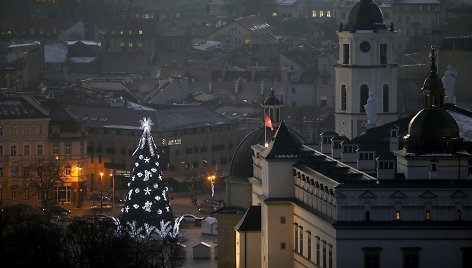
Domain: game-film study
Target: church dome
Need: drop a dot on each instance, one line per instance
(365, 15)
(241, 163)
(433, 129)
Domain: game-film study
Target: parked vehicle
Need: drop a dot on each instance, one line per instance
(104, 205)
(57, 210)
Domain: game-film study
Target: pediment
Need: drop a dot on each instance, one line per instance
(398, 195)
(459, 194)
(367, 194)
(428, 194)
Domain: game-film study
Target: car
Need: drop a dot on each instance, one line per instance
(102, 206)
(57, 210)
(97, 196)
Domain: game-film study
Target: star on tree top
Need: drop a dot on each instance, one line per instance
(146, 124)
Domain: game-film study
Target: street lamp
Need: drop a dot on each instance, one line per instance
(211, 178)
(101, 192)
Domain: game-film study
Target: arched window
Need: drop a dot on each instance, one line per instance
(385, 98)
(343, 98)
(364, 95)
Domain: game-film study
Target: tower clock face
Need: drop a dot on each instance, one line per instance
(365, 46)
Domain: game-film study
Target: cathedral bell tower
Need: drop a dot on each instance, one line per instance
(366, 72)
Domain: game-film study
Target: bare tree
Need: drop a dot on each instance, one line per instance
(49, 174)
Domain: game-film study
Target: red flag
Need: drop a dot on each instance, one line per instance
(268, 123)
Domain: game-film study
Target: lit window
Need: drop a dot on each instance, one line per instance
(458, 215)
(428, 215)
(140, 32)
(122, 32)
(328, 13)
(68, 170)
(130, 44)
(274, 14)
(321, 13)
(397, 215)
(313, 13)
(122, 44)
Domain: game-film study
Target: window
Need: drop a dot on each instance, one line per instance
(343, 98)
(301, 240)
(26, 150)
(385, 98)
(397, 215)
(1, 173)
(1, 150)
(68, 170)
(39, 149)
(13, 150)
(383, 53)
(324, 254)
(466, 255)
(313, 13)
(427, 215)
(330, 256)
(328, 13)
(318, 246)
(14, 171)
(68, 149)
(282, 245)
(458, 214)
(321, 13)
(308, 248)
(282, 220)
(371, 257)
(433, 165)
(367, 215)
(13, 194)
(55, 149)
(364, 95)
(26, 194)
(26, 172)
(411, 257)
(345, 53)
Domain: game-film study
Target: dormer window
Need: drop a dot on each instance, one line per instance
(393, 133)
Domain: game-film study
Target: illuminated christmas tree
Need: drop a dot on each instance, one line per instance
(147, 212)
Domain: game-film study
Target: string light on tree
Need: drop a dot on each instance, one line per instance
(147, 211)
